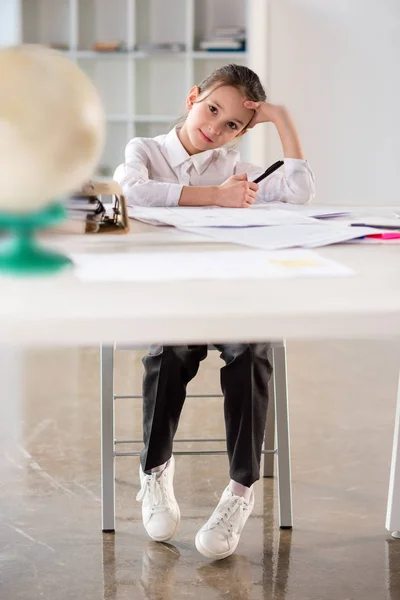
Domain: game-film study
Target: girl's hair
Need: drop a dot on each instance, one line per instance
(240, 77)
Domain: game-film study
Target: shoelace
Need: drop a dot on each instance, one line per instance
(230, 514)
(155, 488)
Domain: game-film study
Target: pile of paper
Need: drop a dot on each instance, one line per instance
(289, 236)
(264, 227)
(182, 216)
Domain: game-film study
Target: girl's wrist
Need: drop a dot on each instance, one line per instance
(215, 194)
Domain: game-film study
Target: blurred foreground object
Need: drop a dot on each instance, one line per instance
(52, 131)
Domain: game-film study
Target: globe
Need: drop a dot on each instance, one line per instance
(52, 127)
(52, 131)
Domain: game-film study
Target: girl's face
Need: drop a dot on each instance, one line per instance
(215, 118)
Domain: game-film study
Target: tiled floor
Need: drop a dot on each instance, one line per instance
(342, 400)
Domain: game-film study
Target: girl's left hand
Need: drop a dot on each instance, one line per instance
(265, 112)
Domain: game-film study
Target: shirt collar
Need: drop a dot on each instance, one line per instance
(177, 155)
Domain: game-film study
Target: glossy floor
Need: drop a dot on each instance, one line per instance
(342, 401)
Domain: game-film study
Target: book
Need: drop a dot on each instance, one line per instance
(221, 44)
(99, 207)
(225, 38)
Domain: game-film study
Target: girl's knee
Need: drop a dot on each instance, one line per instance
(181, 352)
(231, 352)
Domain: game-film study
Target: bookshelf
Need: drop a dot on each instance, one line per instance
(143, 90)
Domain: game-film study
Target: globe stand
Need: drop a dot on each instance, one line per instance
(20, 253)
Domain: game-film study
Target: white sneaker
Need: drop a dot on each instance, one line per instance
(219, 537)
(160, 510)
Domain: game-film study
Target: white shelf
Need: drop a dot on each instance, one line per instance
(217, 55)
(142, 91)
(154, 118)
(141, 118)
(102, 55)
(196, 54)
(118, 118)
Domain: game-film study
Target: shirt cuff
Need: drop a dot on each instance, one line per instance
(173, 195)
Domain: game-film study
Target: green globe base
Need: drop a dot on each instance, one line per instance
(21, 254)
(18, 258)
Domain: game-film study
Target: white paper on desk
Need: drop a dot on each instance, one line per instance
(186, 216)
(307, 210)
(287, 236)
(381, 220)
(179, 266)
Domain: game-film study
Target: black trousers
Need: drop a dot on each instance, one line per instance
(244, 379)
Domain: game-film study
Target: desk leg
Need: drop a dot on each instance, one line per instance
(393, 508)
(107, 438)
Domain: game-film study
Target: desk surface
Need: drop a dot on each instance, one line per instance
(63, 310)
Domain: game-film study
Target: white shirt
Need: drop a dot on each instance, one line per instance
(156, 169)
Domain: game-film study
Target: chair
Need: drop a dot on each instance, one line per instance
(277, 422)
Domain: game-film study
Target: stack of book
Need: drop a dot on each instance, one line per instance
(160, 47)
(99, 207)
(109, 46)
(226, 39)
(87, 209)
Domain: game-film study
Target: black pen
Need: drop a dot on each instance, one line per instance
(270, 170)
(390, 227)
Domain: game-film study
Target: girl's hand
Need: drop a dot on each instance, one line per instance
(281, 118)
(265, 112)
(236, 192)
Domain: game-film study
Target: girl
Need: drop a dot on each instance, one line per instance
(196, 164)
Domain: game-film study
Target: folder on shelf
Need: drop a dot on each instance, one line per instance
(99, 207)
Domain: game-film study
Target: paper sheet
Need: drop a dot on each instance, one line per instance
(381, 220)
(187, 266)
(310, 210)
(288, 236)
(185, 216)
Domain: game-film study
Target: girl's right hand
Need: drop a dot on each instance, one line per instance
(236, 192)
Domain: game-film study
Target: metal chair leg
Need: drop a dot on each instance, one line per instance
(107, 438)
(269, 433)
(283, 441)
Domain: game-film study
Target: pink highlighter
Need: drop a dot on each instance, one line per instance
(389, 235)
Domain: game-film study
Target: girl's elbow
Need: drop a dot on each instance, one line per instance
(302, 196)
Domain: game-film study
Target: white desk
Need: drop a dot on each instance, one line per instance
(66, 311)
(62, 310)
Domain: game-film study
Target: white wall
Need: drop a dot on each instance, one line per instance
(10, 33)
(336, 64)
